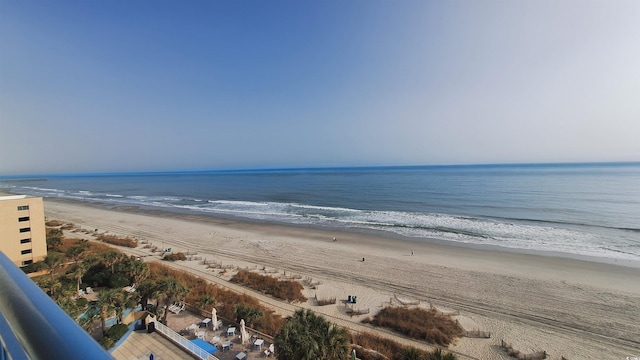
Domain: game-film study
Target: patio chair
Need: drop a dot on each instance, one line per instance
(174, 306)
(178, 309)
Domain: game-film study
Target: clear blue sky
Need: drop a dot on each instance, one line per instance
(91, 86)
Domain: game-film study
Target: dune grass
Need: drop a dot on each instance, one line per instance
(117, 240)
(287, 290)
(419, 324)
(175, 257)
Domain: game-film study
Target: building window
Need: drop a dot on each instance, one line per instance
(24, 252)
(25, 241)
(23, 207)
(27, 262)
(27, 229)
(24, 218)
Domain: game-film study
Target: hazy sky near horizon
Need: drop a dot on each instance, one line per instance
(100, 86)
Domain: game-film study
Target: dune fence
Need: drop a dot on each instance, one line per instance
(479, 334)
(508, 347)
(325, 301)
(405, 301)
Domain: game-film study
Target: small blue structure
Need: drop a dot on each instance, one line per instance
(205, 346)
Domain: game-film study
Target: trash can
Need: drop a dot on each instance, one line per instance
(151, 327)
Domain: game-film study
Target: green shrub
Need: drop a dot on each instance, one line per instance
(118, 280)
(116, 331)
(107, 342)
(28, 269)
(97, 276)
(82, 302)
(113, 335)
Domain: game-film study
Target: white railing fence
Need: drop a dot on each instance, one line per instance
(183, 342)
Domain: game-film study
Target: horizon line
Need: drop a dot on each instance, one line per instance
(316, 169)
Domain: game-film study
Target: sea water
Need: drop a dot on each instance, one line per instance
(588, 210)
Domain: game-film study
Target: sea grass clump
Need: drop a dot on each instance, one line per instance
(287, 290)
(419, 324)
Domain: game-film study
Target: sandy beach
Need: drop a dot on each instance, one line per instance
(572, 308)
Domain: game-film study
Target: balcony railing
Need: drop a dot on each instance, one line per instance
(32, 326)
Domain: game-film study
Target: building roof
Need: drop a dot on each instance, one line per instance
(14, 197)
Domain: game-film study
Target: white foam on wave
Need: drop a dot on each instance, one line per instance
(470, 230)
(504, 234)
(326, 208)
(152, 199)
(44, 189)
(238, 203)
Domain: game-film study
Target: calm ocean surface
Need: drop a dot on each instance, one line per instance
(577, 209)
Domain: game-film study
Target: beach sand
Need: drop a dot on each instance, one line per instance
(571, 308)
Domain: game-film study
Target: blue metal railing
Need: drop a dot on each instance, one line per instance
(32, 326)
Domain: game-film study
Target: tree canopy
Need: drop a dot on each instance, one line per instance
(309, 336)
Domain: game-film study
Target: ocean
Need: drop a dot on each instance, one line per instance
(583, 210)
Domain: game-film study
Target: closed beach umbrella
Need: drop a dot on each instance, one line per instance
(243, 332)
(214, 319)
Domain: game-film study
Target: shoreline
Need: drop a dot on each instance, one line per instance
(567, 307)
(368, 232)
(373, 236)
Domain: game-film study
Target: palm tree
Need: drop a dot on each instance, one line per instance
(77, 273)
(76, 252)
(168, 290)
(206, 302)
(70, 306)
(50, 286)
(335, 343)
(309, 336)
(67, 290)
(106, 304)
(136, 270)
(247, 313)
(111, 258)
(54, 238)
(123, 301)
(145, 290)
(52, 262)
